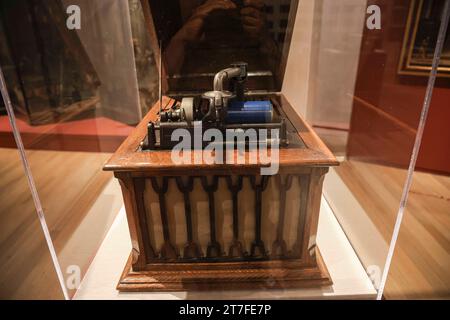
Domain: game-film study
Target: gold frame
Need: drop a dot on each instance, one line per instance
(406, 66)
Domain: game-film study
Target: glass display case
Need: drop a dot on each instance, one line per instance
(321, 171)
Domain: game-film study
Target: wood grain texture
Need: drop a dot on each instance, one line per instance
(227, 276)
(161, 268)
(68, 184)
(421, 261)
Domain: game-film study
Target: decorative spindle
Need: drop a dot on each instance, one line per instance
(191, 249)
(236, 250)
(257, 248)
(304, 194)
(139, 188)
(279, 245)
(168, 251)
(214, 249)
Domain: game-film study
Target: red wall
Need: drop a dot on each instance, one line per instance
(387, 106)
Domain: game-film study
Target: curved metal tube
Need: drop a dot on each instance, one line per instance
(224, 74)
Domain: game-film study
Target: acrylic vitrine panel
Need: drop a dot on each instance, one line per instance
(423, 242)
(26, 267)
(79, 93)
(76, 96)
(367, 110)
(200, 37)
(422, 245)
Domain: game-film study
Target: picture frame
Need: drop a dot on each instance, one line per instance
(421, 34)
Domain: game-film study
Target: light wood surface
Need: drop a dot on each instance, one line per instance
(68, 184)
(421, 263)
(25, 265)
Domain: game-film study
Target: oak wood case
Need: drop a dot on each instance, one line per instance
(151, 268)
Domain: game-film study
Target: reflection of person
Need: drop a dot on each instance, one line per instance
(193, 30)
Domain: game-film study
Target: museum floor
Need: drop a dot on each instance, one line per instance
(88, 198)
(76, 197)
(421, 259)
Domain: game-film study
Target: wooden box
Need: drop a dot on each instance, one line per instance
(170, 253)
(222, 226)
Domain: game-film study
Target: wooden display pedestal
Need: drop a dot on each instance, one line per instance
(223, 226)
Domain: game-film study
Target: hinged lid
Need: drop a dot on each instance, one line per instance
(199, 38)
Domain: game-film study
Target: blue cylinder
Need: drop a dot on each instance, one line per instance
(249, 112)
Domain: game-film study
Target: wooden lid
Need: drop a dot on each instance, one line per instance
(200, 38)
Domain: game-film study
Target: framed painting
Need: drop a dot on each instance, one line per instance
(421, 34)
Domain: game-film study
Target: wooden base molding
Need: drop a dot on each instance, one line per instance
(227, 276)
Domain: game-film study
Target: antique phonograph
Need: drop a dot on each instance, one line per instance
(220, 109)
(222, 225)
